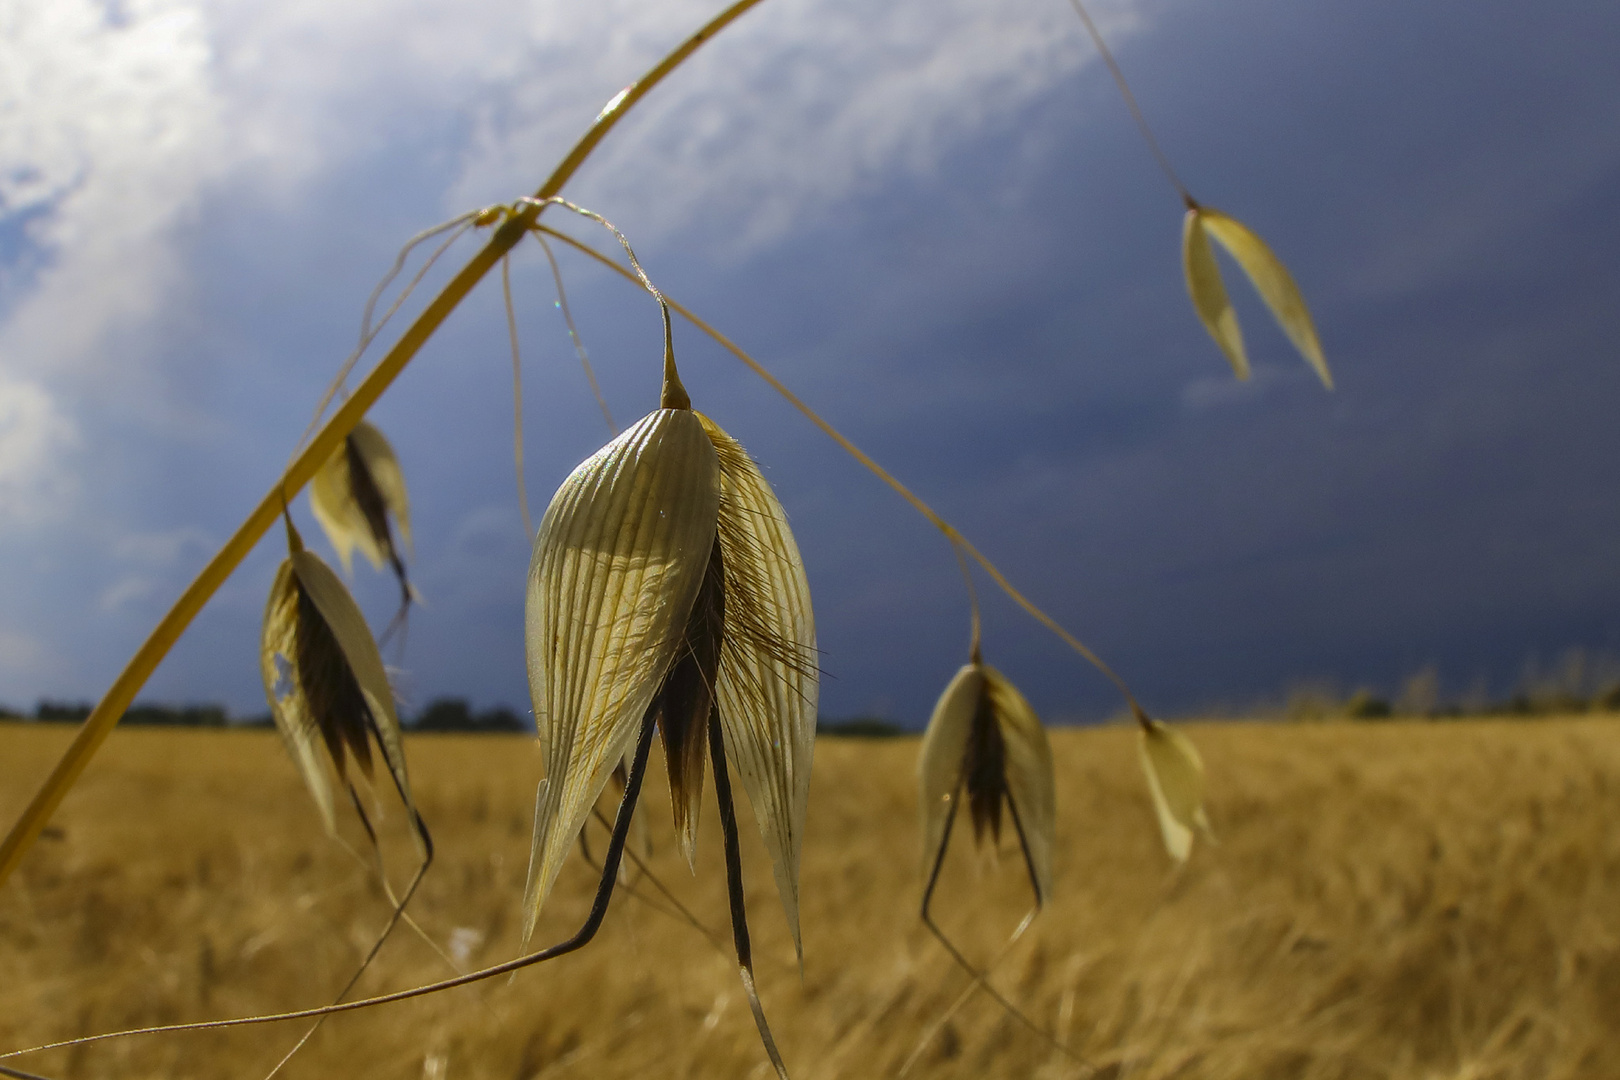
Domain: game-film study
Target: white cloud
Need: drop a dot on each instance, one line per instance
(160, 550)
(116, 119)
(18, 650)
(106, 122)
(34, 437)
(798, 104)
(126, 592)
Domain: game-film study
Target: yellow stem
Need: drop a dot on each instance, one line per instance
(956, 538)
(99, 724)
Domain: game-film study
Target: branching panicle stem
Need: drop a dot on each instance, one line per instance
(959, 542)
(99, 724)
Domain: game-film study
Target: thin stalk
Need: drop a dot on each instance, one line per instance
(973, 602)
(573, 335)
(369, 332)
(1130, 103)
(18, 1074)
(387, 931)
(582, 937)
(680, 911)
(99, 724)
(881, 473)
(517, 396)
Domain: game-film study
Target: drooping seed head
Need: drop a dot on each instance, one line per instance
(665, 579)
(353, 494)
(984, 743)
(1175, 775)
(324, 679)
(1271, 280)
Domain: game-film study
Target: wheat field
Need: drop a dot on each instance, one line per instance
(1427, 900)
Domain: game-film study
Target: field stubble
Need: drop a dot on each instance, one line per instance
(1390, 900)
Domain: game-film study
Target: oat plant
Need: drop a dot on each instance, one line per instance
(665, 595)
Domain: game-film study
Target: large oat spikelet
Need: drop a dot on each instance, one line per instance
(353, 495)
(985, 743)
(324, 679)
(665, 581)
(1271, 280)
(1175, 775)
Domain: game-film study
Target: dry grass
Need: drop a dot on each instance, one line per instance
(1434, 900)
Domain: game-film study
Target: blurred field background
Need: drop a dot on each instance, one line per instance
(1391, 899)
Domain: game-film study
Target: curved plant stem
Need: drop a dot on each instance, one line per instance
(111, 707)
(960, 542)
(1159, 155)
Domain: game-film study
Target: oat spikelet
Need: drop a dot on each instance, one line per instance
(769, 680)
(353, 497)
(618, 563)
(1271, 280)
(665, 582)
(324, 679)
(985, 744)
(1175, 775)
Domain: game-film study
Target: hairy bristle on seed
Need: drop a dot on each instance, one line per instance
(687, 696)
(750, 616)
(373, 507)
(330, 688)
(984, 770)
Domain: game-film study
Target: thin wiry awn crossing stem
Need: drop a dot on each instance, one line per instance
(980, 978)
(368, 333)
(102, 719)
(18, 1074)
(950, 532)
(517, 395)
(593, 922)
(680, 911)
(387, 931)
(973, 987)
(573, 334)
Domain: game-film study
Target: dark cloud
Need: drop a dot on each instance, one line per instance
(1008, 332)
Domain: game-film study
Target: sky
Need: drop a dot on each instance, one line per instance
(934, 220)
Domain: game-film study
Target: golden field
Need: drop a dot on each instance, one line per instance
(1427, 900)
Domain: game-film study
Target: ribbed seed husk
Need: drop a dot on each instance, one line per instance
(354, 491)
(316, 649)
(1208, 293)
(1265, 271)
(617, 564)
(769, 676)
(944, 747)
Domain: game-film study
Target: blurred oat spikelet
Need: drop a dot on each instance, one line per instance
(324, 679)
(1271, 280)
(985, 743)
(1175, 775)
(352, 496)
(665, 582)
